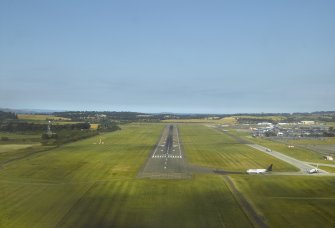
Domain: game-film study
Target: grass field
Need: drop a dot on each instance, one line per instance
(327, 168)
(291, 201)
(20, 136)
(83, 184)
(330, 124)
(313, 141)
(209, 147)
(90, 185)
(11, 147)
(14, 138)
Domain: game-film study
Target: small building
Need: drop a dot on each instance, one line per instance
(281, 124)
(308, 122)
(264, 124)
(329, 158)
(280, 134)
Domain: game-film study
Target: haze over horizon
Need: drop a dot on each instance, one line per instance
(168, 56)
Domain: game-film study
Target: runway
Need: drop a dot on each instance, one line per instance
(167, 160)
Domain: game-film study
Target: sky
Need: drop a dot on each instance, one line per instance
(225, 56)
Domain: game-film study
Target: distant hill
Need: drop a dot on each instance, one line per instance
(30, 111)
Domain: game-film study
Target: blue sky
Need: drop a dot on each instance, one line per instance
(168, 56)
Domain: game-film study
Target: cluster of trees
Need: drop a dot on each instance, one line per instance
(16, 126)
(66, 136)
(330, 133)
(60, 133)
(270, 134)
(94, 116)
(108, 125)
(7, 116)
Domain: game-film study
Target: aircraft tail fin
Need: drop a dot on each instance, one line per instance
(269, 168)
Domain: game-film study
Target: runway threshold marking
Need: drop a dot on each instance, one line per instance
(155, 150)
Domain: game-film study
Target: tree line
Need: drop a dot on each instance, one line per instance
(16, 126)
(7, 116)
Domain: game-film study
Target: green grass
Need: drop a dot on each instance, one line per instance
(20, 136)
(330, 124)
(15, 138)
(314, 141)
(89, 161)
(292, 201)
(209, 147)
(203, 202)
(13, 147)
(327, 168)
(83, 184)
(15, 152)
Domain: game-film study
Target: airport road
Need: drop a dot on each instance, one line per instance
(303, 166)
(167, 159)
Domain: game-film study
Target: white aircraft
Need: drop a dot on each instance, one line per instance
(259, 171)
(314, 170)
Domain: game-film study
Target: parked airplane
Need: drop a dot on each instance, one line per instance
(259, 171)
(314, 170)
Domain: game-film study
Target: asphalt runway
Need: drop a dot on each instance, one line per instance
(167, 159)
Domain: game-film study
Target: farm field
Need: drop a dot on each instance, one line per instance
(44, 119)
(291, 201)
(39, 117)
(209, 147)
(94, 126)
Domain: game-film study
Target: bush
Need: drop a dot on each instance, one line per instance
(66, 136)
(4, 138)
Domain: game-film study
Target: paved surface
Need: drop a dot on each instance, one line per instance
(303, 166)
(167, 159)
